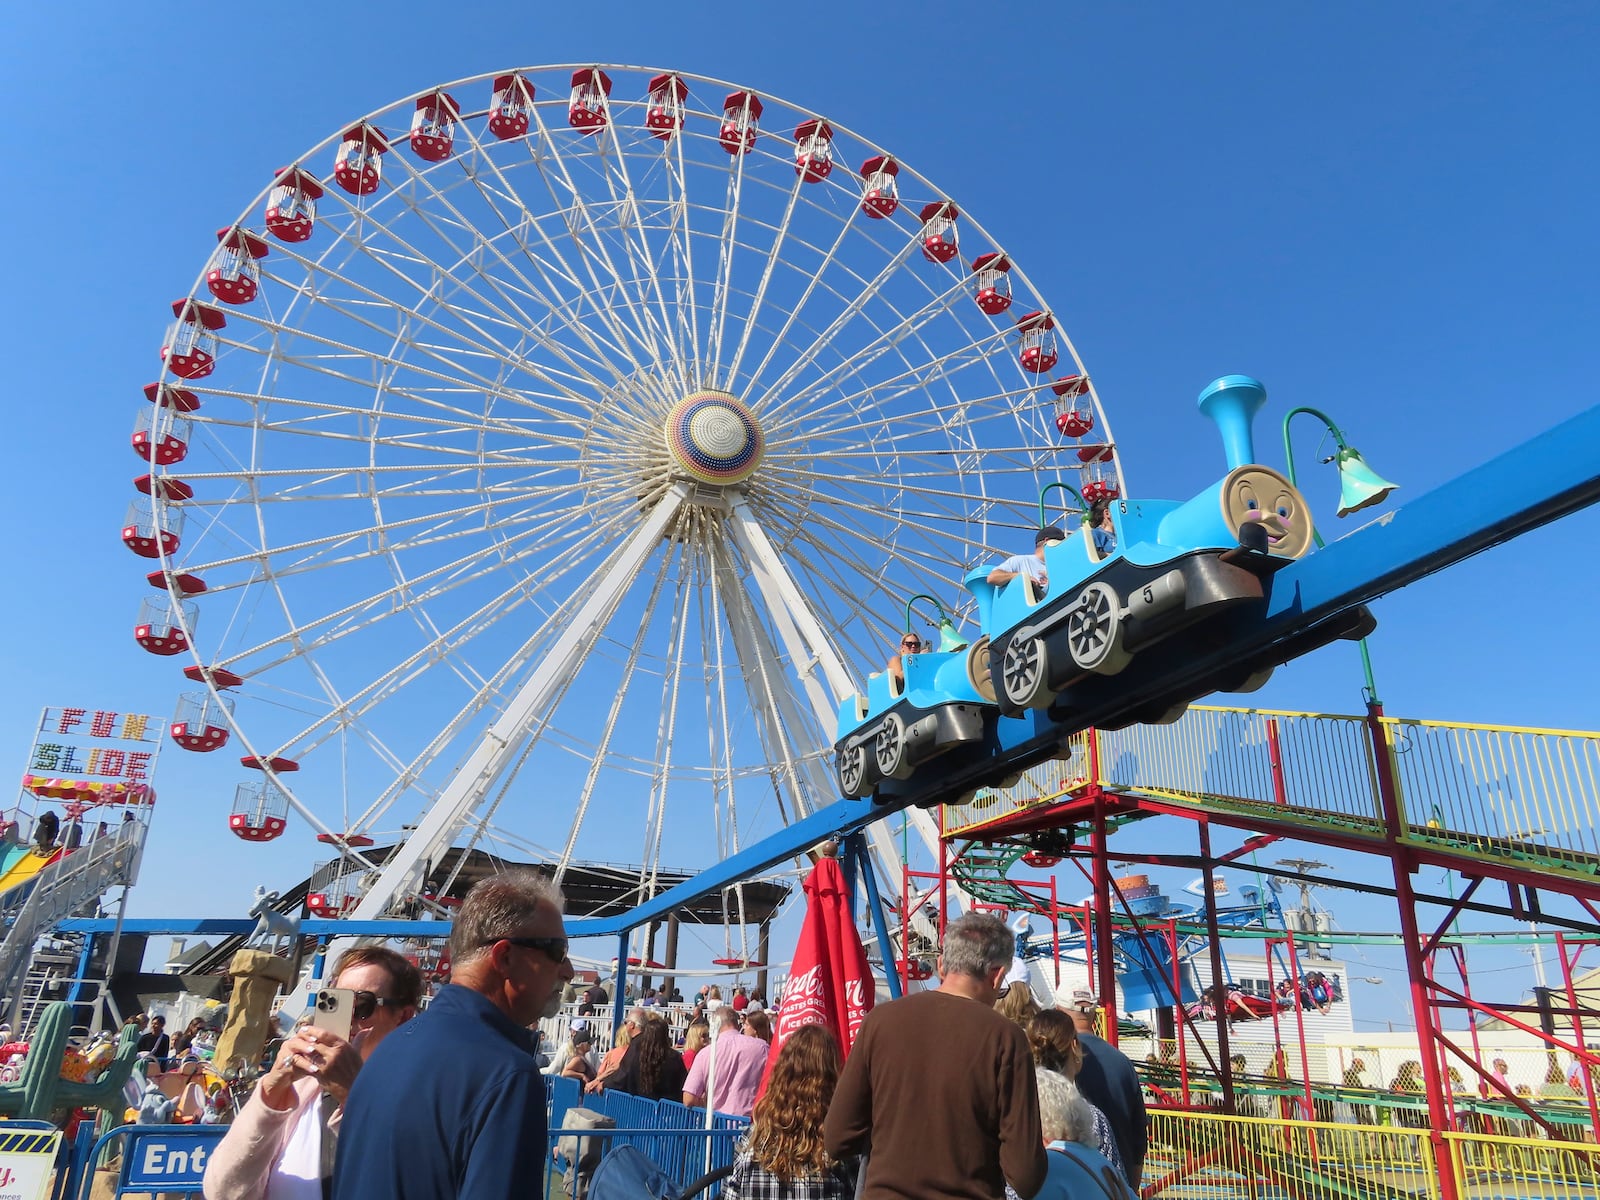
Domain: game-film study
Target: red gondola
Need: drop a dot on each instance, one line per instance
(510, 107)
(880, 194)
(591, 88)
(939, 231)
(1072, 421)
(741, 120)
(991, 288)
(161, 626)
(1041, 860)
(282, 766)
(191, 349)
(664, 108)
(1099, 489)
(292, 205)
(201, 722)
(433, 126)
(260, 811)
(159, 437)
(358, 166)
(235, 278)
(813, 150)
(149, 533)
(1038, 333)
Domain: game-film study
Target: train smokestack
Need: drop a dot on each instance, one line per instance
(1232, 402)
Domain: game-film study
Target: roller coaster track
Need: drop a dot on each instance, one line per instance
(1490, 800)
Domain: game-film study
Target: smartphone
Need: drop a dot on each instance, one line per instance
(332, 1011)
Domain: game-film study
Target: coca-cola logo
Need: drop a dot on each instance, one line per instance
(805, 1002)
(857, 1003)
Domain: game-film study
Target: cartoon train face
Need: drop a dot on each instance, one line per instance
(1182, 577)
(1259, 494)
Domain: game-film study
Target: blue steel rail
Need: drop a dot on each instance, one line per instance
(1558, 473)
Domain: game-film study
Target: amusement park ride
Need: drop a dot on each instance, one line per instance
(558, 432)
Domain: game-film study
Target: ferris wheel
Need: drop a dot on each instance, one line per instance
(540, 460)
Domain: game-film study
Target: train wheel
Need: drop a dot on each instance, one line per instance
(979, 672)
(1094, 631)
(890, 746)
(853, 770)
(1025, 672)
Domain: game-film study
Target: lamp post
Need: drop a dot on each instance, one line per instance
(1359, 487)
(949, 640)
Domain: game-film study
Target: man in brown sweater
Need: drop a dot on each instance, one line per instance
(939, 1088)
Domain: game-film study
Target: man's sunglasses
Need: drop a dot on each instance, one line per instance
(555, 948)
(367, 1003)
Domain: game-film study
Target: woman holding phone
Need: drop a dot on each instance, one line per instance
(280, 1146)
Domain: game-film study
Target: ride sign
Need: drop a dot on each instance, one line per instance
(26, 1160)
(168, 1158)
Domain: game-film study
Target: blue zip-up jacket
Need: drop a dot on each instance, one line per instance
(450, 1107)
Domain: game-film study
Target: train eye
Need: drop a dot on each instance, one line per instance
(1252, 504)
(1283, 510)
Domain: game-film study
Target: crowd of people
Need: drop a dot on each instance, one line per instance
(942, 1093)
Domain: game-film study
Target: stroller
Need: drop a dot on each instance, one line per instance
(627, 1173)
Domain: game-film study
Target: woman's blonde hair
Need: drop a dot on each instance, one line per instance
(786, 1127)
(698, 1036)
(1017, 1004)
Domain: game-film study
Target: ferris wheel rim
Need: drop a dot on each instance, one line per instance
(242, 730)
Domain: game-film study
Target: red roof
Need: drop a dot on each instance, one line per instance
(237, 237)
(813, 127)
(594, 75)
(882, 162)
(737, 101)
(442, 100)
(678, 86)
(368, 137)
(1036, 320)
(502, 82)
(992, 261)
(295, 177)
(218, 676)
(168, 396)
(939, 208)
(192, 310)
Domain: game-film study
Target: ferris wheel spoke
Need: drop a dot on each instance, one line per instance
(640, 331)
(486, 762)
(782, 719)
(852, 310)
(758, 300)
(861, 412)
(513, 317)
(723, 290)
(474, 333)
(615, 712)
(909, 327)
(681, 243)
(485, 245)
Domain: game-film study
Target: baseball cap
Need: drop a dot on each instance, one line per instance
(1084, 998)
(580, 1025)
(1050, 533)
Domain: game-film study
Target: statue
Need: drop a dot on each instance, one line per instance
(272, 926)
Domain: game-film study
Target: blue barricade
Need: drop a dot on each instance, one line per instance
(155, 1158)
(672, 1136)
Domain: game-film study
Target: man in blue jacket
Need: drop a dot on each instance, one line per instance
(452, 1105)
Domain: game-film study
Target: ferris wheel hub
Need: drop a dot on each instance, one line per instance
(714, 438)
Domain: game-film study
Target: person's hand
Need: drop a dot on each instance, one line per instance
(593, 1086)
(315, 1054)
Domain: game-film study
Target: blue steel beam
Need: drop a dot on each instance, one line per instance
(1558, 473)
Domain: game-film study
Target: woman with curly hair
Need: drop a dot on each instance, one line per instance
(782, 1157)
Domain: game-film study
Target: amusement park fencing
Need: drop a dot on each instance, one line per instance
(1204, 1154)
(135, 1160)
(1497, 791)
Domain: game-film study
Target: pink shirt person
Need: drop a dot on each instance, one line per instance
(740, 1060)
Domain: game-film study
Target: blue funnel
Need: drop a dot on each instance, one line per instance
(1232, 402)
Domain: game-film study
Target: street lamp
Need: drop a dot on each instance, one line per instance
(1359, 487)
(949, 640)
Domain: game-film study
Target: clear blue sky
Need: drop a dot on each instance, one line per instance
(1383, 210)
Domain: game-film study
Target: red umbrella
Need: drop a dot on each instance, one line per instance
(829, 981)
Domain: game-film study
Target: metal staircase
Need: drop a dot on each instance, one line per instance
(76, 879)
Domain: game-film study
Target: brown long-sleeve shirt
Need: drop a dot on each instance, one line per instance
(940, 1089)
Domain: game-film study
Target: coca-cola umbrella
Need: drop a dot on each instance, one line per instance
(830, 982)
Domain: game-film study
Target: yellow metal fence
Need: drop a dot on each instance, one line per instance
(1489, 791)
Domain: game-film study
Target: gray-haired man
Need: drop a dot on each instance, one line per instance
(925, 1066)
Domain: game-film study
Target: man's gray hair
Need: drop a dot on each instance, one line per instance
(978, 945)
(501, 906)
(725, 1017)
(1064, 1115)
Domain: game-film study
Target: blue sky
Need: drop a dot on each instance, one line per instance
(1385, 211)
